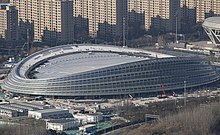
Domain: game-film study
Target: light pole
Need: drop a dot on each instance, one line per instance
(176, 26)
(123, 32)
(184, 93)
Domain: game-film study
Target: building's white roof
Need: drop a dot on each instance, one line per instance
(212, 22)
(72, 59)
(60, 121)
(81, 62)
(87, 126)
(4, 4)
(48, 110)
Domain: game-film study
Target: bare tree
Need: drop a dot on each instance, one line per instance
(161, 41)
(191, 121)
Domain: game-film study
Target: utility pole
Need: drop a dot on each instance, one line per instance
(176, 27)
(124, 44)
(184, 93)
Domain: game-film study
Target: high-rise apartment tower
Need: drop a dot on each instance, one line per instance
(8, 22)
(46, 20)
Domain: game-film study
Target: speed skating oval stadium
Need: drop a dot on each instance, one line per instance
(96, 70)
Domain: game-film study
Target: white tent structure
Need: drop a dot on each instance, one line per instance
(211, 26)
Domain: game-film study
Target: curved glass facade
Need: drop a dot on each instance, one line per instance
(135, 77)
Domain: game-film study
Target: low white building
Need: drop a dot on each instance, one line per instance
(19, 111)
(94, 117)
(33, 105)
(87, 128)
(8, 112)
(89, 118)
(62, 124)
(49, 114)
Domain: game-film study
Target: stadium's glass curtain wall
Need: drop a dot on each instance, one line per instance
(136, 77)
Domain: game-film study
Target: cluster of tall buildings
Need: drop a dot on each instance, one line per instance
(101, 18)
(8, 22)
(63, 21)
(196, 11)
